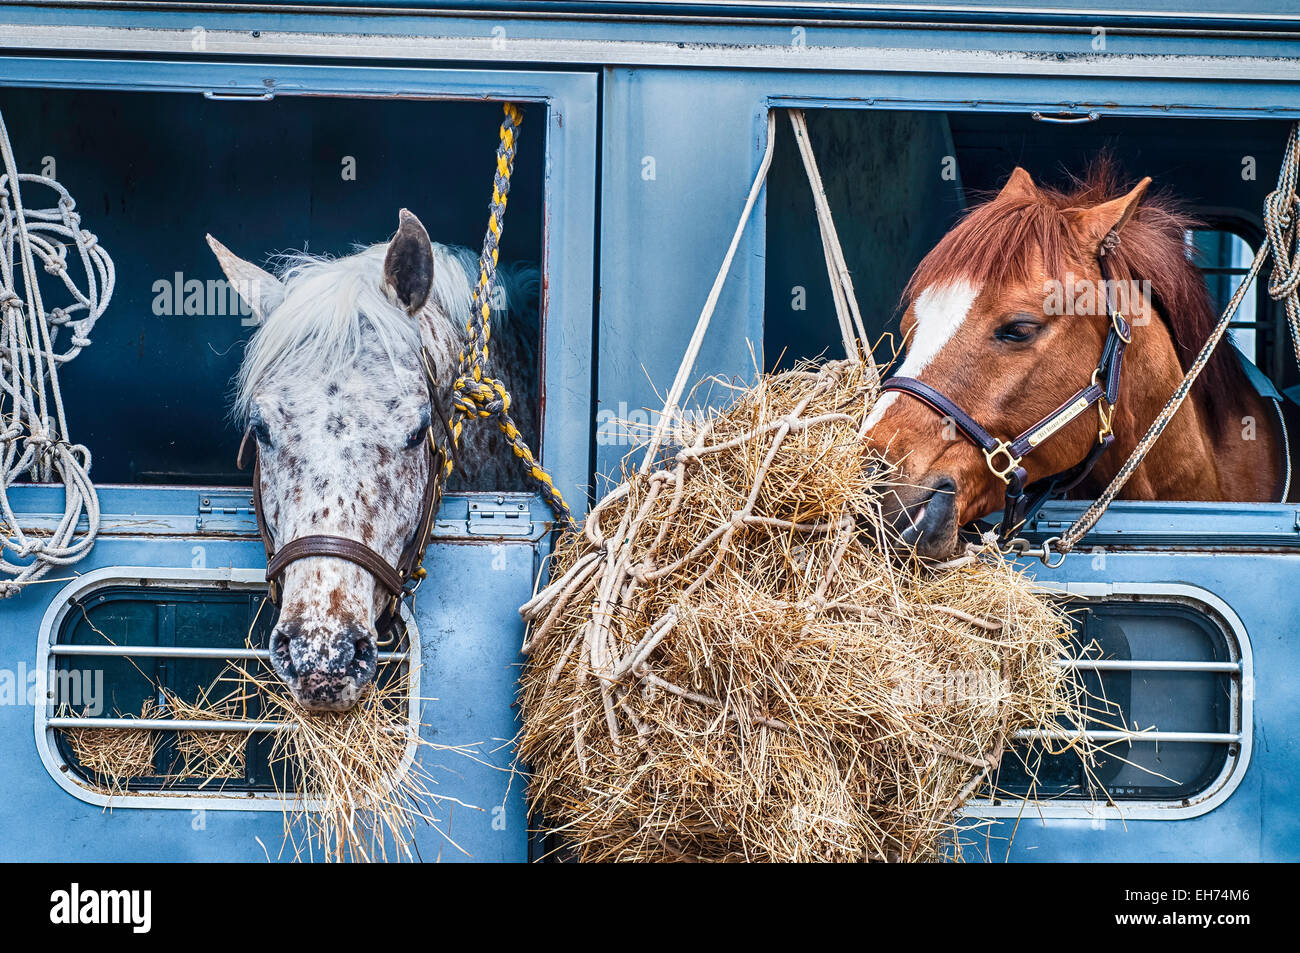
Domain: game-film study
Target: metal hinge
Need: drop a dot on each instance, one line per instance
(499, 519)
(228, 504)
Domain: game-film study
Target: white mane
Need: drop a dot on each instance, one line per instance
(334, 307)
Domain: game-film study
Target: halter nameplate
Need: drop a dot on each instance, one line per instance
(1059, 420)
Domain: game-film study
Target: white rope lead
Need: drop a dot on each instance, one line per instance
(856, 345)
(34, 442)
(687, 366)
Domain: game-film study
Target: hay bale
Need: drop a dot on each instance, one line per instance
(738, 659)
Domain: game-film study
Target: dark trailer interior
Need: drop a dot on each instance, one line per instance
(153, 173)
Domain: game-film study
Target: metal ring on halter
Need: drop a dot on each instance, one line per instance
(1118, 322)
(1013, 461)
(418, 577)
(387, 637)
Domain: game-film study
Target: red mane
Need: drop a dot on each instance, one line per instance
(996, 242)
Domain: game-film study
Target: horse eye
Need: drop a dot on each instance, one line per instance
(260, 430)
(1017, 332)
(416, 437)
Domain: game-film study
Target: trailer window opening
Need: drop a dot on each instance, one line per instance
(125, 651)
(898, 181)
(1178, 692)
(1171, 676)
(155, 172)
(1224, 258)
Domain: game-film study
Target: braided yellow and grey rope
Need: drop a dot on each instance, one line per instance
(475, 394)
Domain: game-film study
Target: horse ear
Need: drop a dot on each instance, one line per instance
(260, 290)
(408, 266)
(1019, 185)
(1094, 224)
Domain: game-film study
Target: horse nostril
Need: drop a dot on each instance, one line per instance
(280, 649)
(367, 655)
(933, 519)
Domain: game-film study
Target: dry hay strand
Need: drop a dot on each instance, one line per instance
(361, 788)
(358, 786)
(116, 756)
(738, 659)
(210, 755)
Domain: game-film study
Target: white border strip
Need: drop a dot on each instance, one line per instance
(561, 52)
(237, 579)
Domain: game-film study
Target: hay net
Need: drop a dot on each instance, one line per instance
(738, 659)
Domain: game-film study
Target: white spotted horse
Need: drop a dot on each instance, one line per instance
(344, 395)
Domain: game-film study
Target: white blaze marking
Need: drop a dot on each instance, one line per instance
(940, 310)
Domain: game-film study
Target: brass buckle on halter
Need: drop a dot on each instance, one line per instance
(1003, 448)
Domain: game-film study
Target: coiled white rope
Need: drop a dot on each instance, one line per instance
(34, 441)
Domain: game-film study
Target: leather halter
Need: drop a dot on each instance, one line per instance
(1004, 457)
(394, 579)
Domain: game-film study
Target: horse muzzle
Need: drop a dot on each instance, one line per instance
(326, 669)
(925, 515)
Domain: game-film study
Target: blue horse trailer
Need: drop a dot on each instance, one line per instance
(288, 125)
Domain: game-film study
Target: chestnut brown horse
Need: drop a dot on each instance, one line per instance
(1010, 330)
